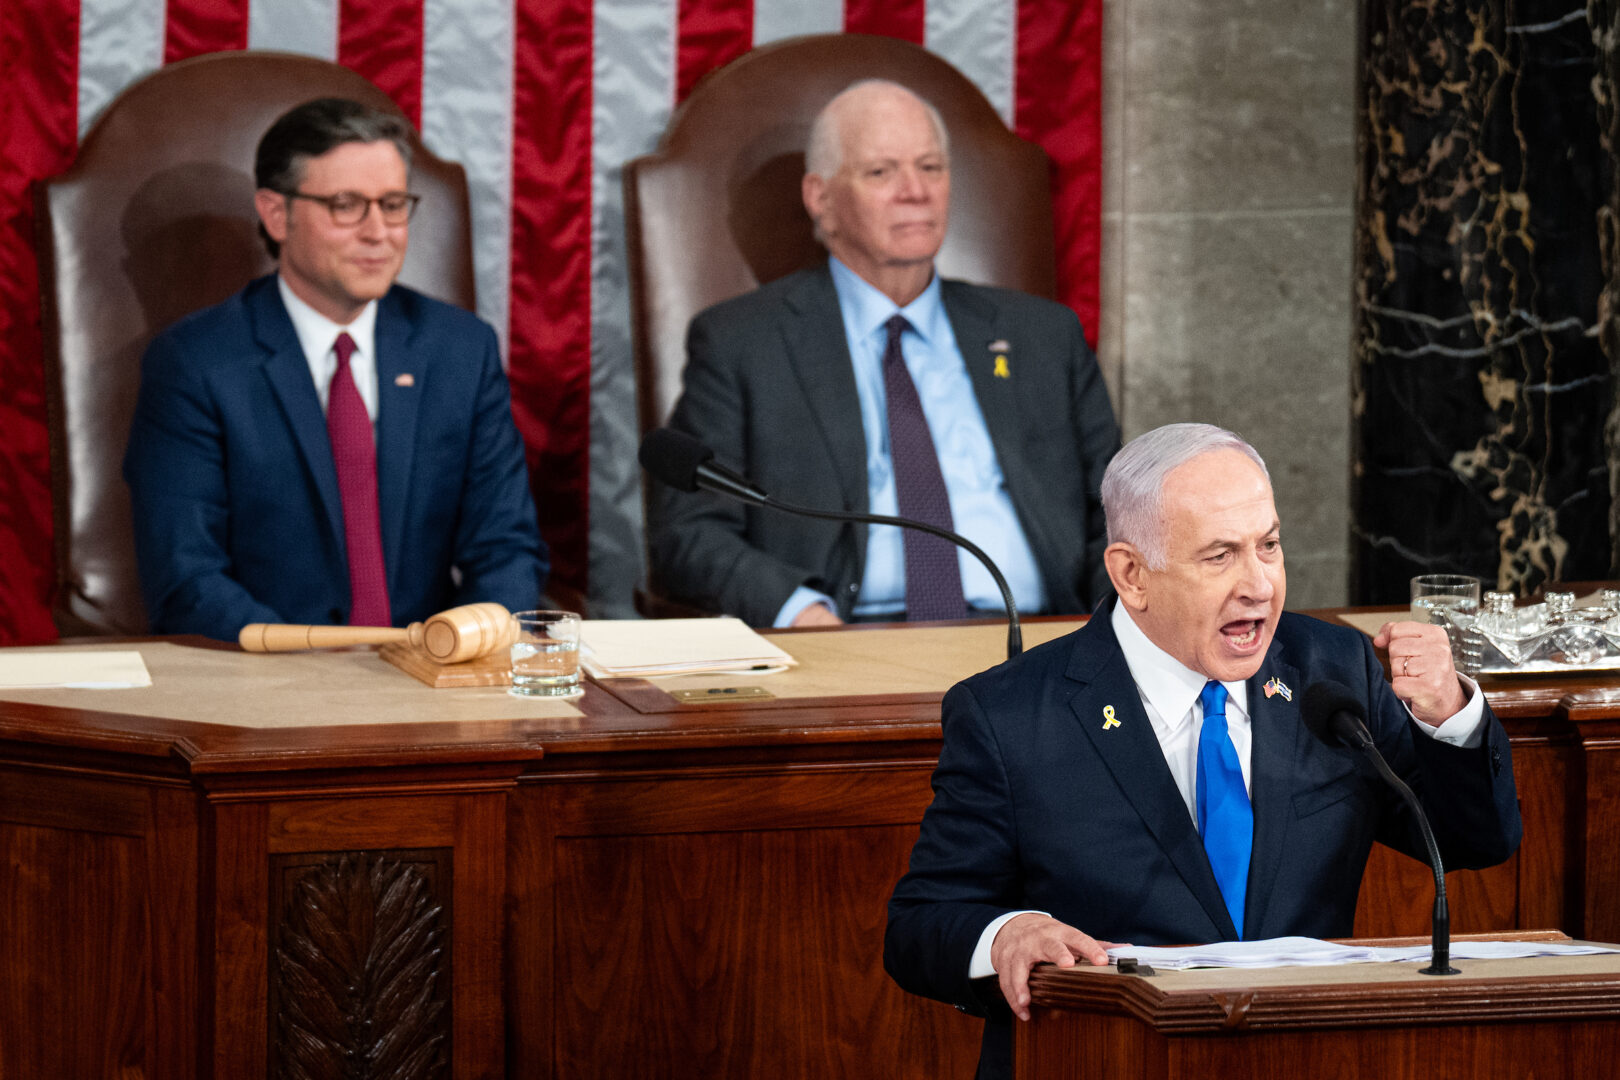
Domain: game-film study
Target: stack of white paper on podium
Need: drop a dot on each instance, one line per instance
(1301, 951)
(648, 648)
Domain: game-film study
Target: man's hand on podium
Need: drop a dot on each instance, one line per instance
(1033, 938)
(817, 615)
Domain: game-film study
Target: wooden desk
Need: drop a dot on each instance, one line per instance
(630, 887)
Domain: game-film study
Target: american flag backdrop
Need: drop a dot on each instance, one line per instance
(542, 101)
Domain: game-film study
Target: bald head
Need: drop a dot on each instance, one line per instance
(878, 183)
(825, 152)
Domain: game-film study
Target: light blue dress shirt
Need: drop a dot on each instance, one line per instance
(980, 506)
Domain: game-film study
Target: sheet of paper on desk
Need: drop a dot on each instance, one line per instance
(637, 648)
(1302, 951)
(72, 670)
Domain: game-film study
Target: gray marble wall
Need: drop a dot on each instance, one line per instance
(1227, 226)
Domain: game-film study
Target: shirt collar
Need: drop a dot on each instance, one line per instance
(317, 334)
(866, 308)
(1167, 684)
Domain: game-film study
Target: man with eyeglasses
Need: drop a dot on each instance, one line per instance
(327, 446)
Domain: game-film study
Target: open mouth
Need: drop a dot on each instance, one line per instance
(1242, 634)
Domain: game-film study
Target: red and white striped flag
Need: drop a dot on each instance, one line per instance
(542, 101)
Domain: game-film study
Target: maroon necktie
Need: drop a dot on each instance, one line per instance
(933, 576)
(355, 452)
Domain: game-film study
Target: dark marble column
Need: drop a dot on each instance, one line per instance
(1480, 388)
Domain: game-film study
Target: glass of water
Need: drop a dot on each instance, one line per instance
(545, 655)
(1458, 592)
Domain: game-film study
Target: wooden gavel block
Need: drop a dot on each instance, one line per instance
(460, 633)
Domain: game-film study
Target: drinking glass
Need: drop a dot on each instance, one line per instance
(1459, 592)
(545, 656)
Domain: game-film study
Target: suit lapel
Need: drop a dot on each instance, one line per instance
(287, 370)
(1275, 729)
(1132, 754)
(813, 341)
(397, 410)
(977, 324)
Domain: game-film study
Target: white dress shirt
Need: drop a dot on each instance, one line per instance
(1168, 688)
(317, 336)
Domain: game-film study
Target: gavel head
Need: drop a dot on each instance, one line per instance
(465, 633)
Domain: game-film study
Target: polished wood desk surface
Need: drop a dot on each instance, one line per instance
(873, 683)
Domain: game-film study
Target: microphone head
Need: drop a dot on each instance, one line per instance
(1322, 703)
(673, 457)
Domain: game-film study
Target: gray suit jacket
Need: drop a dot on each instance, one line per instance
(770, 386)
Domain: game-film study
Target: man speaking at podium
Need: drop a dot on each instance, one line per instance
(1148, 780)
(871, 385)
(327, 446)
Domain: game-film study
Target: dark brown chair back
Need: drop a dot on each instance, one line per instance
(155, 220)
(716, 211)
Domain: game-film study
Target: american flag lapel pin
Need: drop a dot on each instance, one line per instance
(1275, 685)
(407, 379)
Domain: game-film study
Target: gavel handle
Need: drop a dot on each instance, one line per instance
(284, 637)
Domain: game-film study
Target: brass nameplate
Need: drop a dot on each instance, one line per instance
(710, 695)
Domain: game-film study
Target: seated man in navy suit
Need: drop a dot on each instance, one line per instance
(327, 446)
(1147, 779)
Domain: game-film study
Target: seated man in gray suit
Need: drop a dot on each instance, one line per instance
(871, 384)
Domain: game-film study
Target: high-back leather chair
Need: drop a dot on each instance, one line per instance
(716, 211)
(154, 220)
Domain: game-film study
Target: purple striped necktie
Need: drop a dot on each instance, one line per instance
(354, 451)
(933, 575)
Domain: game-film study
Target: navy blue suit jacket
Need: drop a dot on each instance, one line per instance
(237, 513)
(1037, 806)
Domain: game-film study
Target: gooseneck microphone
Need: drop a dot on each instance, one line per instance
(686, 464)
(1337, 717)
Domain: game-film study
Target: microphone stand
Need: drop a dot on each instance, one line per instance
(1440, 951)
(681, 461)
(1015, 635)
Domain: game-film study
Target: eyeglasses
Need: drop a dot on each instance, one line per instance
(351, 207)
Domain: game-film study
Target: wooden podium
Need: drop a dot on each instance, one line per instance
(1542, 1017)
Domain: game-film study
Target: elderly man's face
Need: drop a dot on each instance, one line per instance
(887, 205)
(1215, 605)
(335, 268)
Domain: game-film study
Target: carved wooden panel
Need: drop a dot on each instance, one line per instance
(360, 965)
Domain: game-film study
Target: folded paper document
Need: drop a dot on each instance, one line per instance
(1297, 951)
(28, 669)
(643, 648)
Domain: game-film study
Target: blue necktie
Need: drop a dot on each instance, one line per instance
(1225, 818)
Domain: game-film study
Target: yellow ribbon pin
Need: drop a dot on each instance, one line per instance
(1001, 371)
(1109, 719)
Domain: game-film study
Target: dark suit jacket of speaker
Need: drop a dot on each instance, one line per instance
(1038, 806)
(237, 513)
(769, 385)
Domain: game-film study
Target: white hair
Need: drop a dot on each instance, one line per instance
(824, 153)
(1133, 485)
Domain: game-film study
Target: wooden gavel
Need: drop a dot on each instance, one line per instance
(460, 633)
